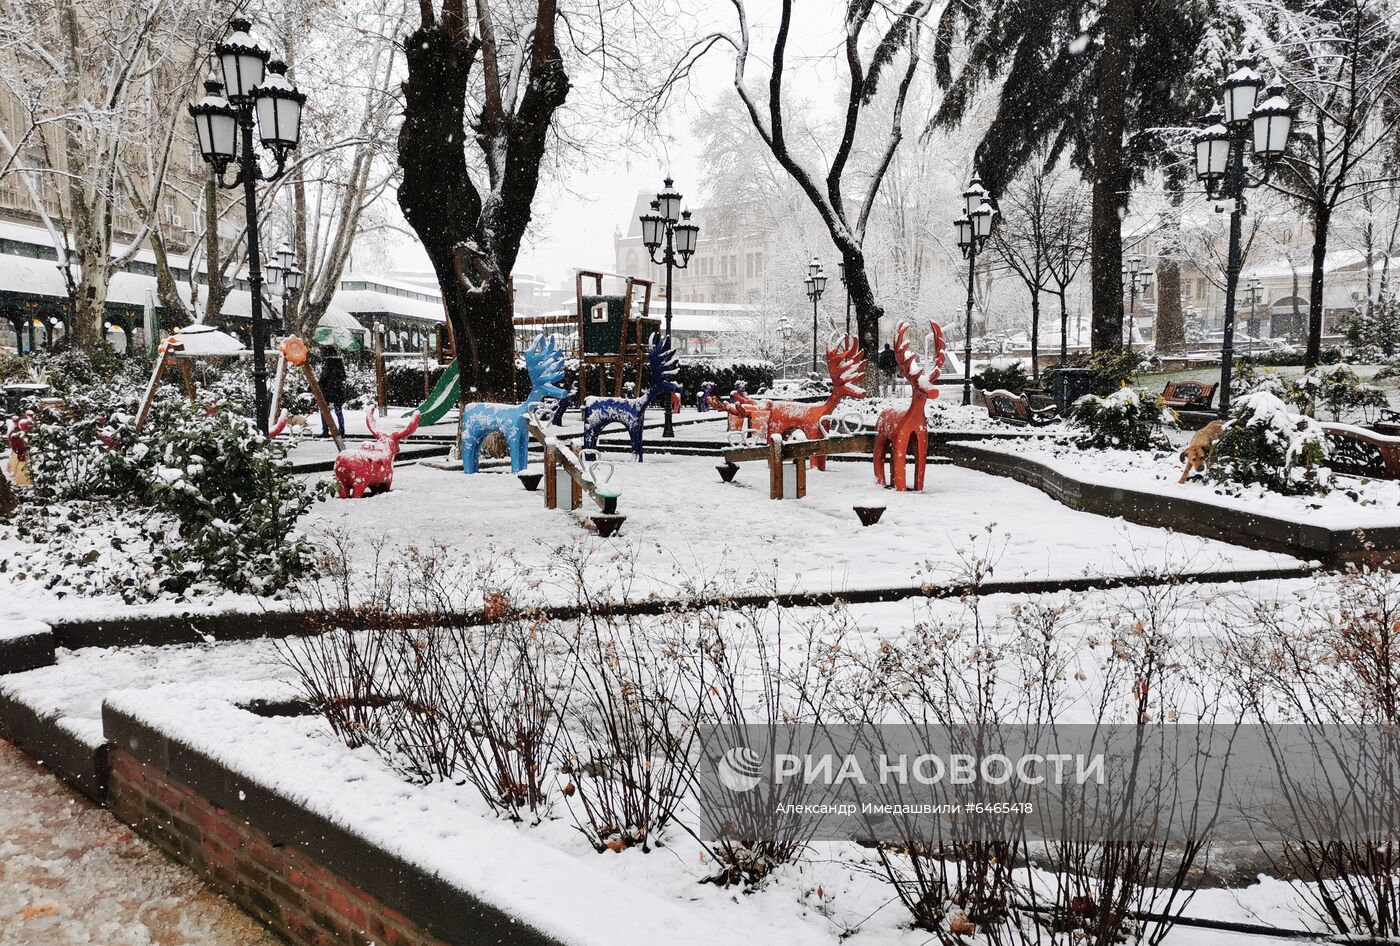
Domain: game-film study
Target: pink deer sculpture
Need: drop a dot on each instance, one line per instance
(370, 467)
(896, 428)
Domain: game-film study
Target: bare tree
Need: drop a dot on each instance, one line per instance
(878, 41)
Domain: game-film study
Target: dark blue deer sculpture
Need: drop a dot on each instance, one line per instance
(545, 363)
(630, 412)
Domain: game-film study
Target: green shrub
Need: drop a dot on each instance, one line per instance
(1336, 388)
(1267, 444)
(1125, 420)
(726, 373)
(1010, 377)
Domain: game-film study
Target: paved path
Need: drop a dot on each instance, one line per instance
(72, 875)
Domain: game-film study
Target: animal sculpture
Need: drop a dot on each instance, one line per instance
(545, 363)
(370, 468)
(17, 431)
(630, 412)
(845, 363)
(897, 428)
(707, 391)
(1197, 452)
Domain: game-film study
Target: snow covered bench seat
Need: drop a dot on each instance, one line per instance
(1017, 409)
(1361, 452)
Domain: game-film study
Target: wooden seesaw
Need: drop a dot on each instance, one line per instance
(788, 459)
(569, 476)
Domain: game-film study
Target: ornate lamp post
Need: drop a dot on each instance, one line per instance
(841, 271)
(282, 269)
(256, 86)
(816, 285)
(974, 229)
(669, 226)
(785, 331)
(1253, 291)
(1220, 153)
(1135, 278)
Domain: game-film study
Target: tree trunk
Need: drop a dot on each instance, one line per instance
(1322, 216)
(1170, 333)
(1064, 327)
(868, 311)
(1110, 175)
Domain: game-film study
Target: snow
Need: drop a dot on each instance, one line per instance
(1353, 504)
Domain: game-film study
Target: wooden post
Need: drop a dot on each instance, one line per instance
(187, 373)
(801, 463)
(551, 462)
(322, 406)
(775, 467)
(380, 387)
(575, 493)
(162, 360)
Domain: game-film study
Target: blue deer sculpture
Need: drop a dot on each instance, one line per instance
(630, 412)
(545, 363)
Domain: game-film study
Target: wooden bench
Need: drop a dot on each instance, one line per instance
(1016, 409)
(1357, 451)
(1188, 395)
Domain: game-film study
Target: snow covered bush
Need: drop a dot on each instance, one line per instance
(1268, 444)
(1127, 419)
(199, 502)
(1006, 377)
(1338, 389)
(1249, 377)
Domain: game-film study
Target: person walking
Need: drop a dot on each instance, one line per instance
(333, 387)
(887, 362)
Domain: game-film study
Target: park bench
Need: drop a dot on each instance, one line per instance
(1188, 395)
(1017, 409)
(1357, 451)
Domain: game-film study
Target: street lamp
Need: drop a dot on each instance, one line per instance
(974, 228)
(1135, 279)
(282, 270)
(1220, 153)
(816, 285)
(841, 272)
(670, 226)
(254, 86)
(1253, 291)
(784, 330)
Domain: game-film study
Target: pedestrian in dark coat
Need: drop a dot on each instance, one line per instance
(334, 387)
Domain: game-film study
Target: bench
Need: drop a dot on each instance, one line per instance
(1357, 451)
(1188, 395)
(1017, 409)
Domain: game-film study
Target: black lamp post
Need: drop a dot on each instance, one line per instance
(841, 271)
(670, 226)
(283, 271)
(1220, 153)
(784, 330)
(1253, 290)
(256, 86)
(816, 285)
(974, 229)
(1135, 279)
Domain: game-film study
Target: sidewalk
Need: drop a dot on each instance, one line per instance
(71, 875)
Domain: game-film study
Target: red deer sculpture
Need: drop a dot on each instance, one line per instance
(371, 467)
(896, 428)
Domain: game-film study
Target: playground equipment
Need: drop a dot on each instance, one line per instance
(630, 412)
(707, 391)
(845, 363)
(896, 428)
(787, 459)
(545, 364)
(744, 412)
(181, 349)
(569, 476)
(370, 467)
(17, 431)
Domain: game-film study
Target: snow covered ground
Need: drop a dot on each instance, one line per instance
(549, 873)
(1354, 503)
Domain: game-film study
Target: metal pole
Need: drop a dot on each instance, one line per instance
(249, 171)
(1132, 308)
(815, 296)
(967, 328)
(670, 259)
(848, 310)
(1232, 267)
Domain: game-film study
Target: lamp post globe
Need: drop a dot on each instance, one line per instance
(669, 230)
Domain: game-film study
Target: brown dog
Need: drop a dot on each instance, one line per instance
(1194, 456)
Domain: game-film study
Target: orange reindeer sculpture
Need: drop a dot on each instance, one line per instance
(895, 428)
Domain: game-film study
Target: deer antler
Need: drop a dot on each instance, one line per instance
(845, 362)
(909, 363)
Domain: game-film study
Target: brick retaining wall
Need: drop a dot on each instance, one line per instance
(285, 890)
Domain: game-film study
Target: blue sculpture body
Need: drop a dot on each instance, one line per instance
(565, 403)
(630, 412)
(545, 363)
